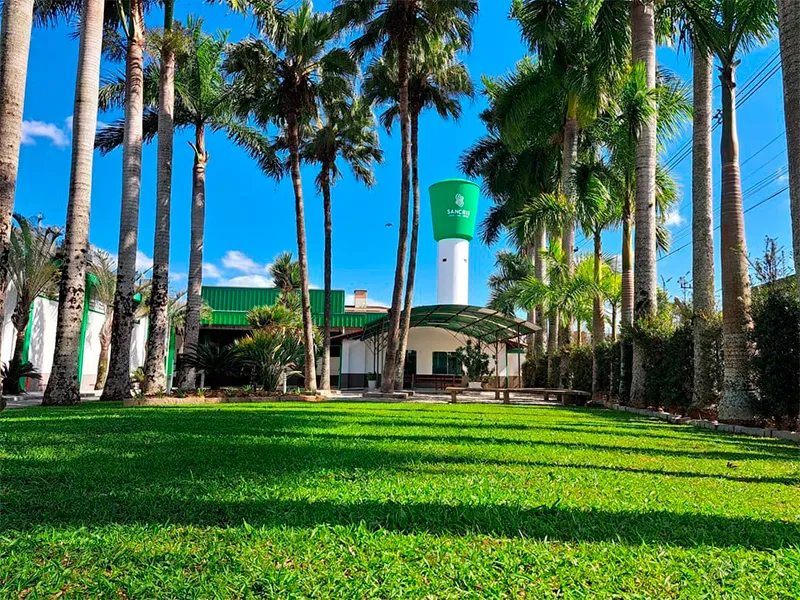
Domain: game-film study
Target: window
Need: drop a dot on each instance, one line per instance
(446, 363)
(411, 362)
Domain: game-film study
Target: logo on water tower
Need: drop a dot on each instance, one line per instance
(459, 201)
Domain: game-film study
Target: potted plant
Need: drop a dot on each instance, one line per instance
(475, 362)
(372, 381)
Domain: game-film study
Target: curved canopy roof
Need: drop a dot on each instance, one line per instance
(476, 322)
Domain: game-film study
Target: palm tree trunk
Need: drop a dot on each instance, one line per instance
(302, 252)
(194, 293)
(63, 387)
(15, 40)
(552, 331)
(598, 319)
(789, 19)
(737, 395)
(118, 384)
(20, 319)
(540, 274)
(570, 157)
(645, 284)
(613, 322)
(155, 373)
(105, 342)
(325, 371)
(405, 324)
(393, 334)
(626, 308)
(705, 394)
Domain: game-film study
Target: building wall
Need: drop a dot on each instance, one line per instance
(43, 337)
(358, 356)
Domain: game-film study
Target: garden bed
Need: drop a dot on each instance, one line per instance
(221, 399)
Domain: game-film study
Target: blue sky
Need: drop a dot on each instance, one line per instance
(250, 219)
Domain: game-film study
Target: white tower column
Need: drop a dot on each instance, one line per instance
(453, 272)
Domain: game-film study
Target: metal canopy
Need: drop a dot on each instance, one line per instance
(479, 323)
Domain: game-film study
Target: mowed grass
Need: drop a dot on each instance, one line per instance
(390, 501)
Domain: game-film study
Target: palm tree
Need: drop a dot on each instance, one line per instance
(437, 79)
(33, 269)
(283, 76)
(15, 39)
(204, 100)
(62, 385)
(103, 267)
(118, 385)
(394, 26)
(346, 130)
(789, 13)
(729, 28)
(582, 46)
(643, 42)
(155, 374)
(285, 273)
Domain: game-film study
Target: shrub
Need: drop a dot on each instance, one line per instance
(474, 360)
(13, 372)
(271, 356)
(216, 361)
(776, 363)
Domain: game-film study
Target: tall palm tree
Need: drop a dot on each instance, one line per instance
(118, 385)
(282, 77)
(789, 13)
(437, 80)
(346, 129)
(103, 267)
(394, 26)
(643, 42)
(62, 385)
(155, 373)
(15, 40)
(33, 269)
(204, 100)
(729, 28)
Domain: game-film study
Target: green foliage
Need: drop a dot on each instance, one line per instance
(580, 365)
(776, 363)
(413, 499)
(474, 360)
(271, 355)
(277, 317)
(13, 372)
(372, 376)
(216, 361)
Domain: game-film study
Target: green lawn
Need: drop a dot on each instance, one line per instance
(390, 501)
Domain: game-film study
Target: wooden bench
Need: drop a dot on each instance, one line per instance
(436, 382)
(564, 396)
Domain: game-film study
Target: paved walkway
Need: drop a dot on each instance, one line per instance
(35, 399)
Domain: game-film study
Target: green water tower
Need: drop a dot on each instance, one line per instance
(454, 210)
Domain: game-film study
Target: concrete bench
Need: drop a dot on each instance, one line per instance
(564, 396)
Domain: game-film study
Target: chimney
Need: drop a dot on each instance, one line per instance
(360, 298)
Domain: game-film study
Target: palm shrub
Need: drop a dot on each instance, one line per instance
(271, 356)
(14, 372)
(217, 362)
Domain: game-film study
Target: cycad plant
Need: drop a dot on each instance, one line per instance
(392, 27)
(730, 28)
(437, 80)
(33, 267)
(344, 131)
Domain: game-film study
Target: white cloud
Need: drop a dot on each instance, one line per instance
(39, 129)
(239, 261)
(68, 123)
(673, 218)
(350, 300)
(254, 281)
(179, 276)
(211, 271)
(143, 262)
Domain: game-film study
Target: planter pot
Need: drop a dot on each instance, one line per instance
(475, 385)
(372, 384)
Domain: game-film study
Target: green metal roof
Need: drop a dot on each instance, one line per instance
(475, 322)
(230, 306)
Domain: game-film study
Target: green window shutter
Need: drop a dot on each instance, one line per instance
(440, 363)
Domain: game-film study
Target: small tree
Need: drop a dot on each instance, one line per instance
(474, 360)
